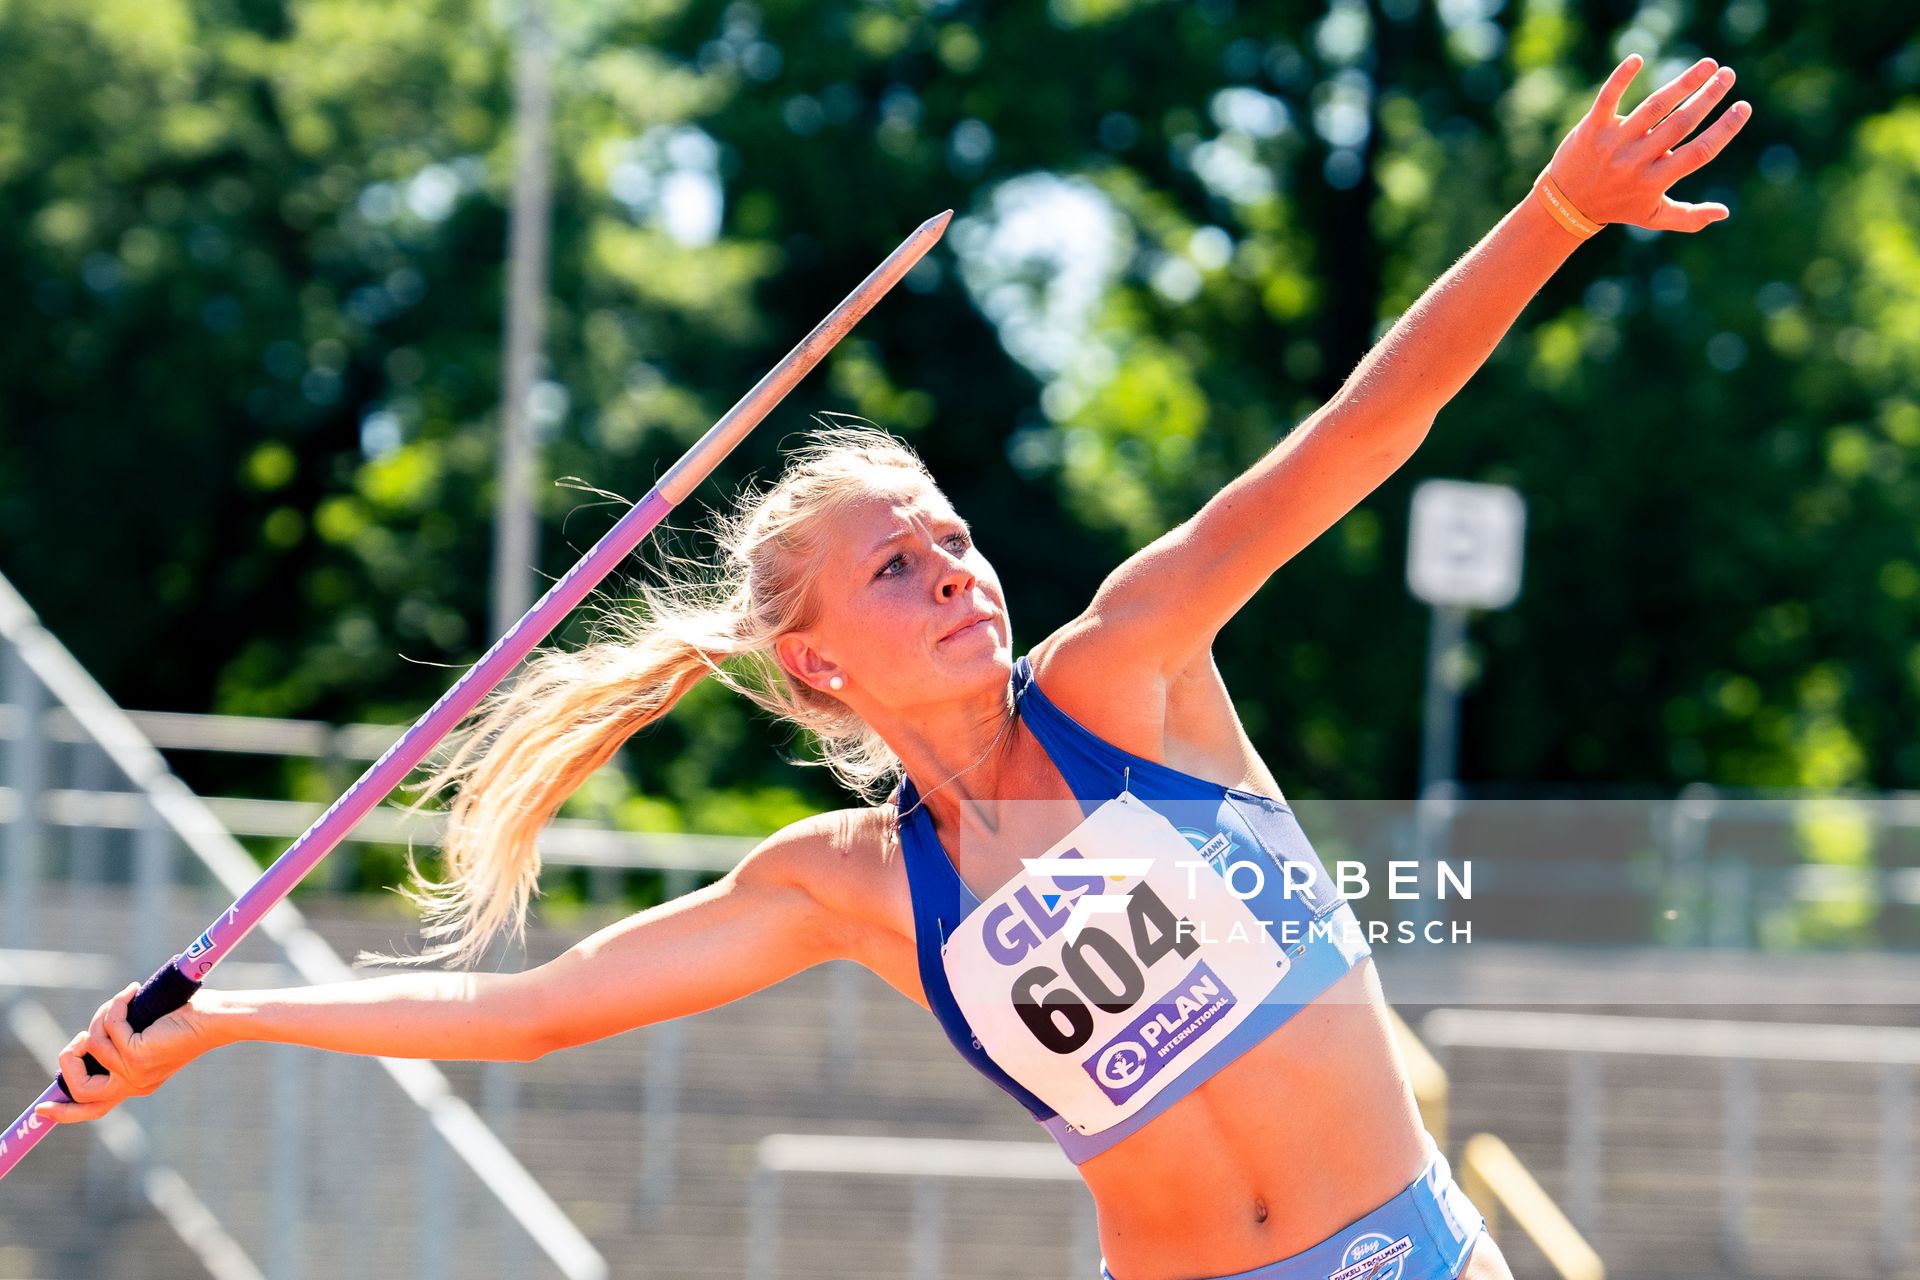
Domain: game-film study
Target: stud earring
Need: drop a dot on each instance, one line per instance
(836, 683)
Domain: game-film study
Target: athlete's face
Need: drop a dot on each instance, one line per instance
(901, 573)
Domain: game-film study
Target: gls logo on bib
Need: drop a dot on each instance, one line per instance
(1098, 1023)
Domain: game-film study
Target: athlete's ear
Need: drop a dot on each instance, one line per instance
(802, 662)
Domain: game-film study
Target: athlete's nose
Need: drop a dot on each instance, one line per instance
(955, 579)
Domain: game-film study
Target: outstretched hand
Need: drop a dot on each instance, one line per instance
(1618, 168)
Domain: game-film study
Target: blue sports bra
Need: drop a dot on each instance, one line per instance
(1176, 927)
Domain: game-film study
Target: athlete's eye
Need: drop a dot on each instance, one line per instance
(963, 537)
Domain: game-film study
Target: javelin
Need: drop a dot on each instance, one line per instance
(174, 983)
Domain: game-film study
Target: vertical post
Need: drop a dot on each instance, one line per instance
(340, 865)
(1439, 750)
(92, 773)
(763, 1224)
(1731, 909)
(1896, 1164)
(436, 1205)
(102, 1180)
(678, 882)
(843, 1022)
(605, 883)
(1440, 742)
(500, 1105)
(26, 778)
(514, 552)
(1583, 1140)
(1465, 546)
(925, 1261)
(659, 1108)
(359, 1084)
(1736, 1160)
(214, 1158)
(1687, 836)
(153, 854)
(287, 1163)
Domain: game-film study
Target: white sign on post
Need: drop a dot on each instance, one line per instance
(1465, 544)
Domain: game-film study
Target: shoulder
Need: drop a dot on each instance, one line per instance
(1090, 673)
(1184, 718)
(817, 851)
(847, 860)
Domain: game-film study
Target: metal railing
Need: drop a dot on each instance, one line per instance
(295, 1152)
(1707, 866)
(1498, 1184)
(681, 856)
(1492, 1176)
(926, 1163)
(1891, 1052)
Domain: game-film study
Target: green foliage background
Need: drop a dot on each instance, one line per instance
(249, 379)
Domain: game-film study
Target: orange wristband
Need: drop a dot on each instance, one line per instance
(1562, 208)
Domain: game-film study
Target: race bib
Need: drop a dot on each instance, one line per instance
(1096, 1024)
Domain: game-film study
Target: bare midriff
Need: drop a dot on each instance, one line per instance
(1306, 1132)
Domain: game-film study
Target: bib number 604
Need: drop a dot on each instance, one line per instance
(1058, 1016)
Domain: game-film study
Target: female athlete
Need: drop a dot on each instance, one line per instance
(1234, 1100)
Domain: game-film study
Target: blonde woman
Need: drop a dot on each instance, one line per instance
(1232, 1097)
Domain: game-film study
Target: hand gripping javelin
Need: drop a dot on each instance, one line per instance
(174, 983)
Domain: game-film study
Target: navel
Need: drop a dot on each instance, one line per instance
(1259, 1209)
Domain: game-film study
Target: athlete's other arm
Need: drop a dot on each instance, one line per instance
(1168, 600)
(765, 920)
(773, 915)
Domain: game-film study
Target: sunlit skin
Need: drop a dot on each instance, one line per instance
(1216, 1184)
(1300, 1136)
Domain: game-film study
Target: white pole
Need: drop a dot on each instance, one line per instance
(515, 549)
(514, 528)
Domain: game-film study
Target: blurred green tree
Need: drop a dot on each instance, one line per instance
(252, 381)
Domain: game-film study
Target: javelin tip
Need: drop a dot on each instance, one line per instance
(936, 224)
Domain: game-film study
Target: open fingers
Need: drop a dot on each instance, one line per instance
(1684, 160)
(1670, 95)
(1608, 100)
(1671, 131)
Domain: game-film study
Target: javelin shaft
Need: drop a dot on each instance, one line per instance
(174, 983)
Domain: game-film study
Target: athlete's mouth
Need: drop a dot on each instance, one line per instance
(966, 627)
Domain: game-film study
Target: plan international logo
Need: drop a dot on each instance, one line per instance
(1138, 1052)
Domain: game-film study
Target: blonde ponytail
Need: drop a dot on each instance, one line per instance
(532, 743)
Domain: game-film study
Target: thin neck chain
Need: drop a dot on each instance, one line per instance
(1012, 715)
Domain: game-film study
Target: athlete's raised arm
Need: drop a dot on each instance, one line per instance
(1170, 598)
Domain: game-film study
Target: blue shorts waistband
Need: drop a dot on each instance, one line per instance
(1424, 1233)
